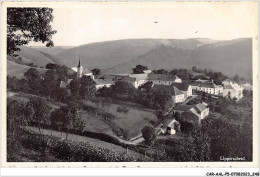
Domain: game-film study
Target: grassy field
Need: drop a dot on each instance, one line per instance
(18, 70)
(132, 121)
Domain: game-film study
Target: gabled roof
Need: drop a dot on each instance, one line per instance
(207, 85)
(181, 86)
(104, 82)
(127, 79)
(181, 107)
(69, 81)
(139, 77)
(195, 84)
(170, 89)
(162, 77)
(168, 122)
(63, 84)
(200, 107)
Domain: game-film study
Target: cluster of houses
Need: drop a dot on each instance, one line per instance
(178, 90)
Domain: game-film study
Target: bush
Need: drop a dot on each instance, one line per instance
(122, 109)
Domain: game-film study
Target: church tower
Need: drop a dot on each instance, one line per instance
(80, 70)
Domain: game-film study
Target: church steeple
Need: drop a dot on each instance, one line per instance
(79, 63)
(80, 69)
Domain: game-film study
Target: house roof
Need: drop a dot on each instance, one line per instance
(168, 122)
(195, 84)
(184, 86)
(162, 77)
(139, 77)
(127, 79)
(182, 107)
(200, 107)
(103, 82)
(207, 85)
(69, 81)
(170, 89)
(63, 84)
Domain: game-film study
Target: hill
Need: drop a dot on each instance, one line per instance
(52, 51)
(230, 57)
(110, 53)
(18, 70)
(31, 55)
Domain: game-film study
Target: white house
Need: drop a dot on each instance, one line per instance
(207, 87)
(185, 88)
(200, 110)
(232, 90)
(139, 79)
(163, 79)
(168, 126)
(177, 95)
(103, 82)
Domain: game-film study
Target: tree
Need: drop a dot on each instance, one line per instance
(66, 118)
(236, 78)
(28, 24)
(122, 87)
(148, 134)
(87, 87)
(50, 82)
(52, 66)
(194, 68)
(34, 80)
(41, 111)
(146, 86)
(107, 102)
(60, 94)
(160, 71)
(139, 69)
(14, 116)
(177, 116)
(95, 71)
(74, 87)
(105, 91)
(163, 101)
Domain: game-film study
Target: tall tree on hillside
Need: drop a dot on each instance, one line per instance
(28, 24)
(148, 134)
(74, 87)
(139, 69)
(14, 118)
(50, 82)
(41, 111)
(34, 80)
(87, 87)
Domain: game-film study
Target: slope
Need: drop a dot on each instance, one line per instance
(230, 57)
(18, 70)
(30, 55)
(110, 53)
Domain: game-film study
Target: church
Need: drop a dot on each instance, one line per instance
(100, 82)
(82, 71)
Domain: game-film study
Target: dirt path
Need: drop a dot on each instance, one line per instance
(94, 142)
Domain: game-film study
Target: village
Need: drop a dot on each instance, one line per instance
(181, 93)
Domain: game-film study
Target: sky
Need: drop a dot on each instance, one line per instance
(84, 23)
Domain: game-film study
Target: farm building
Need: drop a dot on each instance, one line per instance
(200, 110)
(207, 87)
(177, 95)
(232, 90)
(169, 126)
